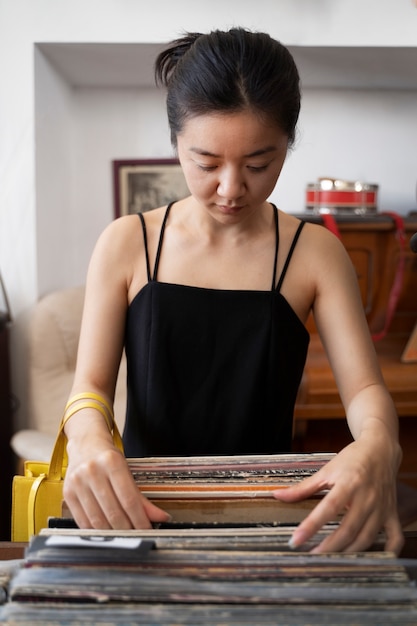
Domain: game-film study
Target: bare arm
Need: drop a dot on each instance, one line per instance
(362, 477)
(99, 488)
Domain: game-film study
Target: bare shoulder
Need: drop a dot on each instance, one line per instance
(125, 234)
(317, 245)
(322, 247)
(121, 225)
(119, 257)
(320, 265)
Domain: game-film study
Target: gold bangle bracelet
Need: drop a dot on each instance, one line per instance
(98, 400)
(89, 395)
(88, 404)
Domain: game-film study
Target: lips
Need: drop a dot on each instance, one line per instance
(229, 209)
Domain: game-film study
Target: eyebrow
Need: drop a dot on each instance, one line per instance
(256, 153)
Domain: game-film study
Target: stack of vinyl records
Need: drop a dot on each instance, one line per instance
(223, 569)
(226, 489)
(209, 576)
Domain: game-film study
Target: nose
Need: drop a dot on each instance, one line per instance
(231, 183)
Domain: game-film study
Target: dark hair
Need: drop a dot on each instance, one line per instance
(229, 71)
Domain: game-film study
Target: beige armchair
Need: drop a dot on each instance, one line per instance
(53, 340)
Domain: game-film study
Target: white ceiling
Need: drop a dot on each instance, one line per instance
(103, 64)
(131, 65)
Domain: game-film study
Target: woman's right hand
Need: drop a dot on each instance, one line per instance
(100, 491)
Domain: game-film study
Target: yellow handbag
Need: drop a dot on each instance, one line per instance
(37, 494)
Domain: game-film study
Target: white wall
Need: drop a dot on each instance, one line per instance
(34, 223)
(111, 124)
(54, 171)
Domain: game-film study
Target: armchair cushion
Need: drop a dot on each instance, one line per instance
(54, 331)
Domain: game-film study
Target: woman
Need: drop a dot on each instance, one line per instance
(210, 296)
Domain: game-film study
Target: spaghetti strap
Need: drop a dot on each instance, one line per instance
(274, 273)
(290, 253)
(161, 236)
(145, 241)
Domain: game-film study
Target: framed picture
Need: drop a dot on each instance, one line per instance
(141, 185)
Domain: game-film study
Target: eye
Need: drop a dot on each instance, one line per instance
(206, 168)
(257, 168)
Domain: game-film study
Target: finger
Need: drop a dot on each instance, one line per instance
(77, 512)
(102, 494)
(344, 539)
(135, 507)
(104, 509)
(327, 510)
(360, 527)
(352, 534)
(138, 509)
(394, 535)
(87, 512)
(81, 501)
(305, 489)
(154, 513)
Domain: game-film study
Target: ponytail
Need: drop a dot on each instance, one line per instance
(167, 60)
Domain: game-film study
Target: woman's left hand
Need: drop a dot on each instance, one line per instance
(361, 480)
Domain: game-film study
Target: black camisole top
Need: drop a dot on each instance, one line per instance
(211, 371)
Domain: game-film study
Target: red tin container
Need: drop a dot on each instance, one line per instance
(331, 195)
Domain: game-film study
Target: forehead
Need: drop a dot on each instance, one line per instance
(244, 130)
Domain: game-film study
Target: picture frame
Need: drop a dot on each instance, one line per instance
(143, 184)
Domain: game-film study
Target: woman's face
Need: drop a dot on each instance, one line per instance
(231, 161)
